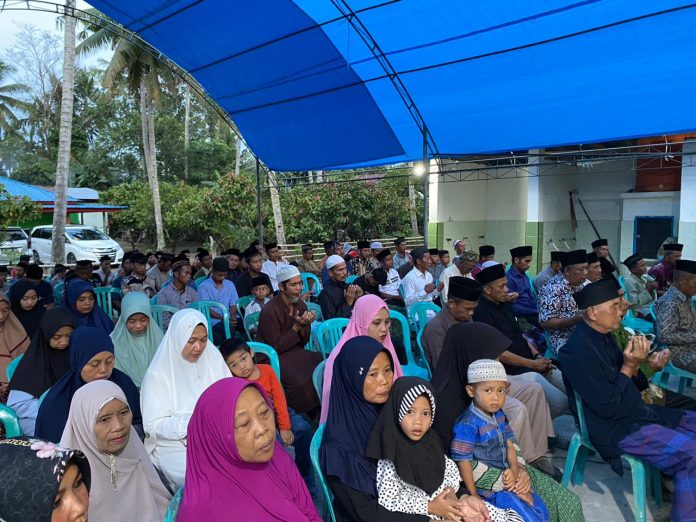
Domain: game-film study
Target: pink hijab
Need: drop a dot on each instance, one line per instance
(364, 311)
(220, 485)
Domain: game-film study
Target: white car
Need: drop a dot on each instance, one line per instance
(81, 243)
(14, 242)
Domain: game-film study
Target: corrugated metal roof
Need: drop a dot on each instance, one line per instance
(83, 193)
(37, 194)
(76, 207)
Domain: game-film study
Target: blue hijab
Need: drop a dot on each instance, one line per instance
(85, 343)
(97, 317)
(351, 418)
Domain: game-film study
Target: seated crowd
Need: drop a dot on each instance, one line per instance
(133, 409)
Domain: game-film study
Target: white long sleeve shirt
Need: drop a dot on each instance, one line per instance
(414, 287)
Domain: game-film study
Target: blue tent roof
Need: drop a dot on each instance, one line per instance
(318, 84)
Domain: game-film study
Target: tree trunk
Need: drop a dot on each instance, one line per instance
(238, 156)
(187, 122)
(147, 115)
(277, 212)
(412, 208)
(64, 137)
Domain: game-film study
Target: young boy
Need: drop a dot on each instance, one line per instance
(260, 290)
(482, 433)
(294, 429)
(444, 259)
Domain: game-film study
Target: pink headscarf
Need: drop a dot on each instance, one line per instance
(364, 311)
(219, 485)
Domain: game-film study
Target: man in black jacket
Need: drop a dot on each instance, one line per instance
(337, 298)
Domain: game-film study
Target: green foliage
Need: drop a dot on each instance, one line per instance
(14, 210)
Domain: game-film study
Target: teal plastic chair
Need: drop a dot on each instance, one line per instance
(204, 308)
(661, 378)
(550, 354)
(350, 279)
(270, 352)
(158, 312)
(321, 480)
(412, 368)
(329, 333)
(419, 314)
(9, 421)
(12, 367)
(531, 284)
(314, 307)
(306, 278)
(243, 302)
(105, 299)
(644, 475)
(631, 321)
(43, 396)
(318, 378)
(153, 300)
(251, 324)
(199, 280)
(58, 293)
(174, 503)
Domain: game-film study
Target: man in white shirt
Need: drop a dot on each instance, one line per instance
(418, 284)
(462, 267)
(390, 291)
(270, 266)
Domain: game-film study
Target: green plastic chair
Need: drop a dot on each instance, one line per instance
(10, 421)
(329, 333)
(204, 308)
(104, 299)
(58, 293)
(174, 503)
(412, 368)
(644, 475)
(268, 351)
(318, 378)
(158, 312)
(251, 323)
(306, 278)
(243, 302)
(321, 480)
(12, 367)
(631, 321)
(419, 314)
(350, 279)
(314, 307)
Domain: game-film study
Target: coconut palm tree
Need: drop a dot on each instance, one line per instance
(136, 63)
(9, 103)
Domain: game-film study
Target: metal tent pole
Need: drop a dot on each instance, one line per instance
(258, 201)
(426, 185)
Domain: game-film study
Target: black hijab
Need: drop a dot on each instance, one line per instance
(421, 463)
(42, 366)
(464, 344)
(30, 319)
(351, 418)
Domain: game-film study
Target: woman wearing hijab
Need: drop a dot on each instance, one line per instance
(124, 481)
(186, 363)
(413, 472)
(91, 359)
(236, 465)
(370, 317)
(469, 342)
(136, 336)
(82, 302)
(46, 361)
(13, 342)
(42, 482)
(24, 302)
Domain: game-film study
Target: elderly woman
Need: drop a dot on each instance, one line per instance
(136, 336)
(82, 302)
(236, 465)
(370, 317)
(464, 344)
(13, 342)
(185, 364)
(91, 359)
(46, 360)
(24, 302)
(124, 481)
(363, 378)
(42, 482)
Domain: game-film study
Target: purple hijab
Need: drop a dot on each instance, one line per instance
(219, 483)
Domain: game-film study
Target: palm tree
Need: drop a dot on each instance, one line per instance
(136, 63)
(64, 136)
(9, 104)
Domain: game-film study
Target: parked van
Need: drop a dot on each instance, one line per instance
(14, 242)
(81, 242)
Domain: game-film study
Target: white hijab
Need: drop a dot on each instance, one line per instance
(172, 385)
(126, 483)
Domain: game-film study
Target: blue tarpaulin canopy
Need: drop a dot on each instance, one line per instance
(320, 84)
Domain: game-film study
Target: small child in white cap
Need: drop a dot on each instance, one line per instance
(482, 434)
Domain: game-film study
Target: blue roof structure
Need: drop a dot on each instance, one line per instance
(319, 84)
(36, 194)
